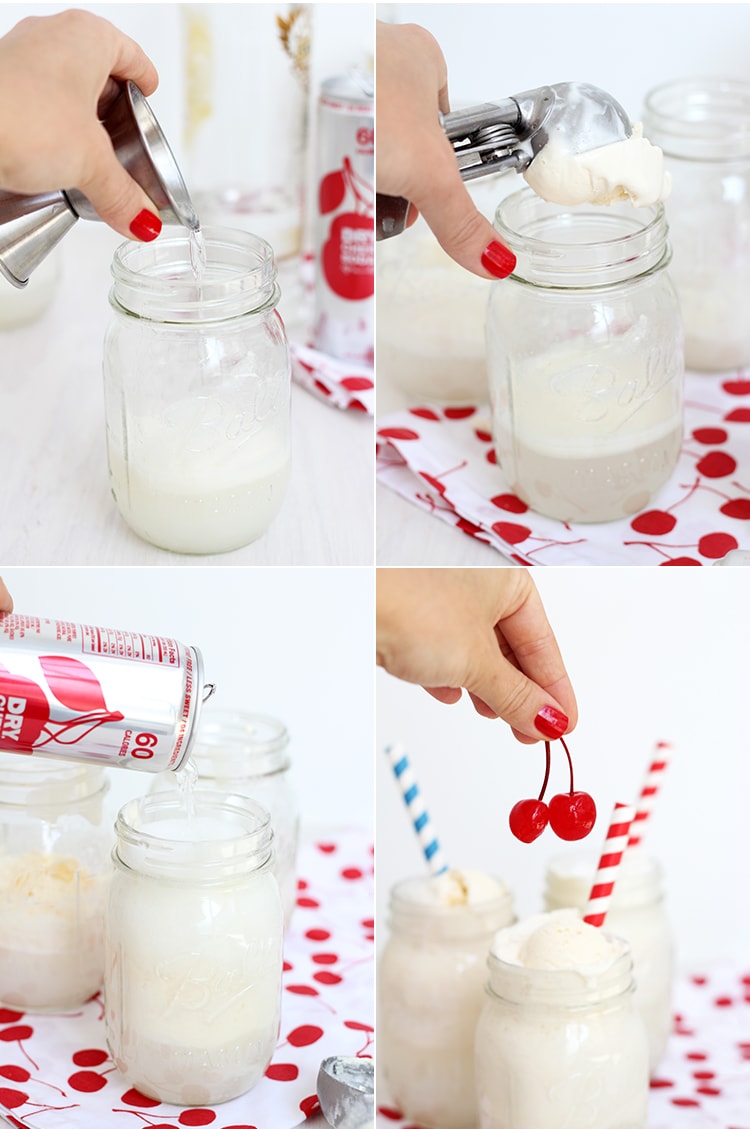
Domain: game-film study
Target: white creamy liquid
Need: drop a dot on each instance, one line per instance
(193, 975)
(630, 169)
(430, 989)
(547, 1065)
(51, 931)
(594, 434)
(637, 914)
(208, 500)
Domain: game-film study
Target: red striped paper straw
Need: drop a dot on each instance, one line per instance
(609, 864)
(649, 791)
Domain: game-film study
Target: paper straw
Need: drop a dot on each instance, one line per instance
(649, 791)
(415, 806)
(609, 864)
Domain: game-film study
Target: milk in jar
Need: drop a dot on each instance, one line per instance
(560, 1043)
(430, 990)
(193, 947)
(636, 913)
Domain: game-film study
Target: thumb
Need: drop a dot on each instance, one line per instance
(532, 712)
(115, 196)
(462, 231)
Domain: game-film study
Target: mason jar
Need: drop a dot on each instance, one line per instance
(248, 754)
(561, 1047)
(55, 870)
(636, 913)
(703, 126)
(197, 385)
(193, 947)
(430, 991)
(584, 352)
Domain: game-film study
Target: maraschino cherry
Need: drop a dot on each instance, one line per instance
(571, 815)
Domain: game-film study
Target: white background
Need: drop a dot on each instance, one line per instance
(293, 643)
(653, 654)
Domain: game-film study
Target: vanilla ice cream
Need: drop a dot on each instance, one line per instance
(557, 940)
(464, 887)
(632, 169)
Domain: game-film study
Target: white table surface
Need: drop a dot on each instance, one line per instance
(55, 503)
(408, 535)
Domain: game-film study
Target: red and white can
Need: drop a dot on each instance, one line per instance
(96, 694)
(345, 225)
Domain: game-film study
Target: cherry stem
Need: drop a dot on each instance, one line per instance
(546, 770)
(570, 762)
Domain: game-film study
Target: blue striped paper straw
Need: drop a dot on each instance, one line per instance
(415, 806)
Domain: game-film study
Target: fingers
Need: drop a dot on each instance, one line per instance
(132, 62)
(502, 690)
(114, 195)
(6, 603)
(462, 231)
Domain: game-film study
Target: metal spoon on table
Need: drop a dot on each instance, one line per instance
(346, 1091)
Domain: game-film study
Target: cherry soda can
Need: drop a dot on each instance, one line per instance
(345, 226)
(97, 694)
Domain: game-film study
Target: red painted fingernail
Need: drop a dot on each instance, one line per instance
(146, 226)
(551, 722)
(498, 260)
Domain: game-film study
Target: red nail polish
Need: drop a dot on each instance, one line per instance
(550, 722)
(498, 260)
(146, 226)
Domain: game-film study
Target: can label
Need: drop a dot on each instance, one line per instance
(96, 694)
(345, 252)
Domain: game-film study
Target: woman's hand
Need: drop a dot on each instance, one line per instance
(57, 75)
(483, 629)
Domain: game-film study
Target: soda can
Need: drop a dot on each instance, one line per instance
(96, 694)
(345, 226)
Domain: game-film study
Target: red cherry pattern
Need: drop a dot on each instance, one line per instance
(325, 954)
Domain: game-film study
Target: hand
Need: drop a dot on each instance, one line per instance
(415, 158)
(483, 629)
(6, 604)
(57, 75)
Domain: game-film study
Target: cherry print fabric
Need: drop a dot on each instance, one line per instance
(443, 460)
(704, 1080)
(55, 1072)
(344, 384)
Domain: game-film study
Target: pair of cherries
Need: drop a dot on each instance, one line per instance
(571, 815)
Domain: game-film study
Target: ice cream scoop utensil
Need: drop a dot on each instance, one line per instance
(508, 134)
(346, 1091)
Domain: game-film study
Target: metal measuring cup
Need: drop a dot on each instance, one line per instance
(31, 226)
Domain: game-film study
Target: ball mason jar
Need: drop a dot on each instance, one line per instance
(703, 126)
(561, 1048)
(197, 387)
(55, 871)
(637, 913)
(193, 947)
(430, 991)
(584, 352)
(247, 754)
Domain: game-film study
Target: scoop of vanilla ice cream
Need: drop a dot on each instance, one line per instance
(632, 169)
(556, 940)
(465, 887)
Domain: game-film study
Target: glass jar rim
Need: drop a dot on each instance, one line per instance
(456, 922)
(247, 744)
(702, 118)
(639, 881)
(155, 281)
(569, 988)
(633, 241)
(140, 846)
(48, 781)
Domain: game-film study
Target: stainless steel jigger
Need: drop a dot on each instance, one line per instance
(497, 136)
(30, 226)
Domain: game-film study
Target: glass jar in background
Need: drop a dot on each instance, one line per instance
(637, 913)
(703, 126)
(247, 754)
(584, 354)
(430, 982)
(430, 328)
(193, 947)
(23, 306)
(197, 388)
(55, 870)
(245, 137)
(561, 1046)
